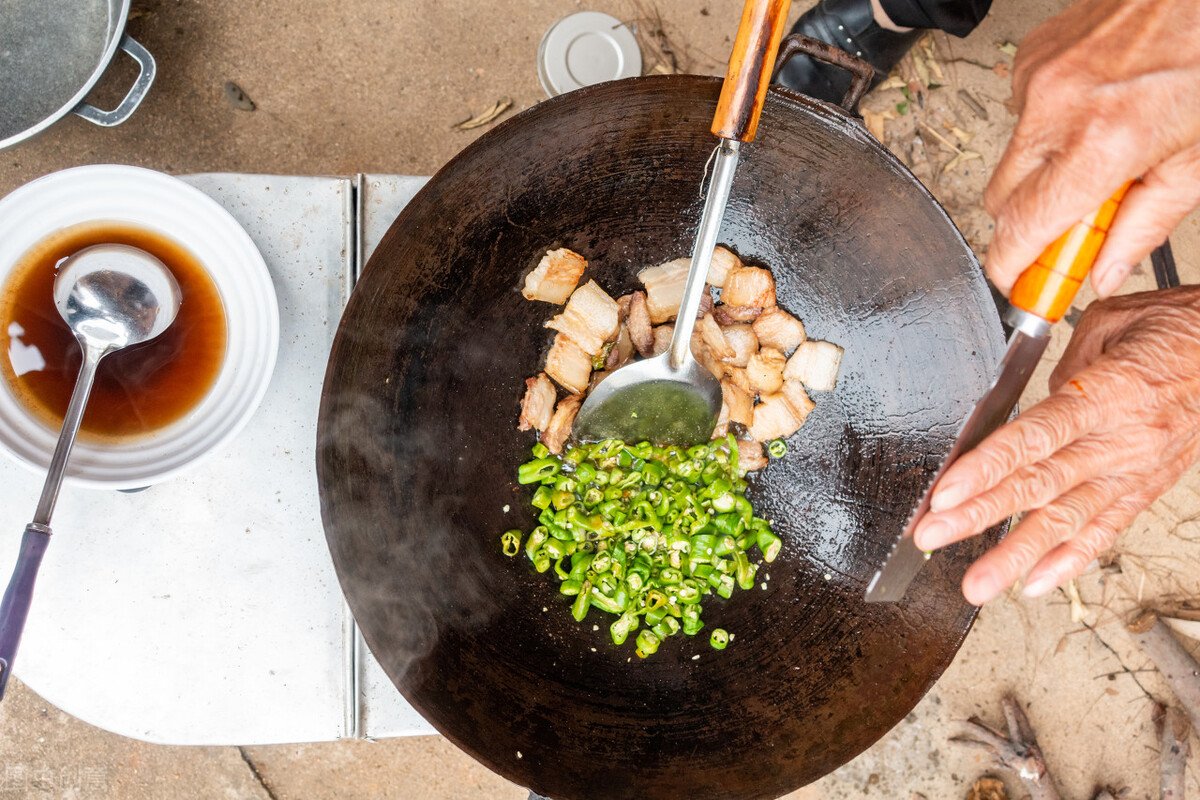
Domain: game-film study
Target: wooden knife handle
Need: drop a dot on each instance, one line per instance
(1048, 286)
(750, 67)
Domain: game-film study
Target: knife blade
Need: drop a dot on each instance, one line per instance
(1040, 297)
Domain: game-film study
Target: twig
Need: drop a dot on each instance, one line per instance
(1174, 751)
(1017, 752)
(1173, 661)
(942, 139)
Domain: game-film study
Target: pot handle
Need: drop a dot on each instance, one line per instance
(862, 72)
(146, 70)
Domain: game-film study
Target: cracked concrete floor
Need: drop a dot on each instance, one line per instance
(359, 86)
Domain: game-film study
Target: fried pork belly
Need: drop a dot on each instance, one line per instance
(738, 377)
(569, 365)
(664, 288)
(559, 429)
(706, 305)
(815, 364)
(739, 403)
(703, 354)
(622, 351)
(589, 320)
(727, 315)
(538, 403)
(749, 286)
(750, 455)
(641, 330)
(722, 423)
(779, 329)
(775, 418)
(742, 340)
(555, 276)
(765, 370)
(623, 303)
(711, 333)
(795, 394)
(662, 339)
(723, 262)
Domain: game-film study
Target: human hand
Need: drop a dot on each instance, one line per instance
(1120, 426)
(1107, 91)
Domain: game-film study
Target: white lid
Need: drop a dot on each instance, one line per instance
(584, 49)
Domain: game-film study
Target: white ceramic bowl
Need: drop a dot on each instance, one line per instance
(183, 213)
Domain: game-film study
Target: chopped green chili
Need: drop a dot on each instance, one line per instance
(777, 448)
(644, 533)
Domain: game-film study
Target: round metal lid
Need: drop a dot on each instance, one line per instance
(584, 49)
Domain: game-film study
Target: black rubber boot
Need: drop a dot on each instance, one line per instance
(849, 25)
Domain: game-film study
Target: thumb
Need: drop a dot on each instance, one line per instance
(1151, 210)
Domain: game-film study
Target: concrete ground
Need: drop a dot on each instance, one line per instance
(361, 86)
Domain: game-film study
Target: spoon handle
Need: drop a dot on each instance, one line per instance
(15, 606)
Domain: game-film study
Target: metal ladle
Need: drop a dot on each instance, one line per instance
(112, 297)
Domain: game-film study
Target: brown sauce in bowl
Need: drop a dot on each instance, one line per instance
(138, 390)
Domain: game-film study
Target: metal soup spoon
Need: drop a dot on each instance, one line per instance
(111, 296)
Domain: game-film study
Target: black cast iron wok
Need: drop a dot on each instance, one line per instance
(418, 448)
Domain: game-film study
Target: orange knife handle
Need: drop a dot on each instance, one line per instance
(1047, 287)
(750, 67)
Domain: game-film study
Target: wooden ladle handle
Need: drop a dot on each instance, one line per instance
(750, 67)
(1047, 287)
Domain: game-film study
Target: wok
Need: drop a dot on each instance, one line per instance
(418, 447)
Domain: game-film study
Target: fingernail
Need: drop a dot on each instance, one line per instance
(1112, 278)
(947, 496)
(982, 590)
(932, 535)
(1040, 585)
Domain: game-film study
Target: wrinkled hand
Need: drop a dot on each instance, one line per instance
(1120, 426)
(1107, 91)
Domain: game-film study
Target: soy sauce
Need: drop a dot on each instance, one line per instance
(138, 390)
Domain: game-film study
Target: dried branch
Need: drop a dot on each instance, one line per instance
(1018, 752)
(1172, 659)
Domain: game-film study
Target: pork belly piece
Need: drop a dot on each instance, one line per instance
(765, 370)
(596, 378)
(555, 276)
(795, 394)
(664, 288)
(779, 329)
(559, 429)
(775, 418)
(589, 320)
(738, 377)
(815, 364)
(750, 456)
(569, 365)
(538, 403)
(622, 350)
(703, 354)
(706, 305)
(727, 315)
(739, 403)
(662, 339)
(722, 423)
(749, 286)
(623, 303)
(641, 330)
(711, 333)
(723, 262)
(742, 340)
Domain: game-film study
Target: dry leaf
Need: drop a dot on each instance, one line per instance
(1078, 609)
(894, 82)
(1062, 645)
(987, 789)
(937, 70)
(1188, 627)
(965, 155)
(922, 69)
(1008, 48)
(875, 121)
(958, 132)
(478, 121)
(1002, 69)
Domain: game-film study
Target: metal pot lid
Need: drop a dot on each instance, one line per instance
(585, 49)
(51, 54)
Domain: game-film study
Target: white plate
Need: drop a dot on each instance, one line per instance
(160, 203)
